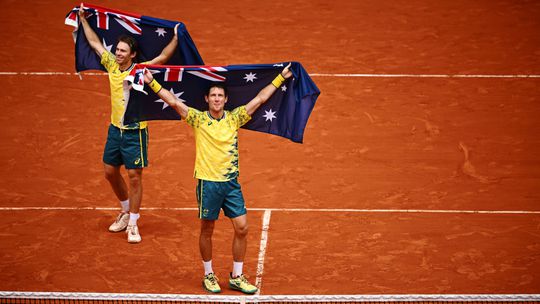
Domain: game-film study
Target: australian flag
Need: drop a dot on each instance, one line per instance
(152, 34)
(285, 114)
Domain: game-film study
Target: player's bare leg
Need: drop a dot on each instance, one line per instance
(120, 189)
(210, 280)
(205, 239)
(135, 199)
(119, 186)
(135, 190)
(240, 237)
(237, 280)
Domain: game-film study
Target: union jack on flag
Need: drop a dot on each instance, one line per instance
(152, 34)
(285, 114)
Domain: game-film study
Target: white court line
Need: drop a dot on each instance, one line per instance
(312, 74)
(408, 211)
(262, 249)
(286, 210)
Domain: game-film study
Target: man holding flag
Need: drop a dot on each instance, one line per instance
(216, 169)
(126, 144)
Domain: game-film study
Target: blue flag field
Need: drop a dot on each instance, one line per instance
(152, 34)
(285, 114)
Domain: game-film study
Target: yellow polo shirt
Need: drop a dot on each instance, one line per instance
(118, 104)
(216, 142)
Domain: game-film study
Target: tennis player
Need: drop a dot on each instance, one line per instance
(216, 171)
(126, 144)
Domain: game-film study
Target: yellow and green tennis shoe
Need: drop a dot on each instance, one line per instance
(241, 283)
(210, 283)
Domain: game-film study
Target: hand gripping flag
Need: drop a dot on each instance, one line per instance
(152, 34)
(285, 114)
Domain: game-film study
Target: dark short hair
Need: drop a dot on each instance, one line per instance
(131, 42)
(219, 85)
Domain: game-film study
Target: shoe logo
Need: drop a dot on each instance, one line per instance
(137, 161)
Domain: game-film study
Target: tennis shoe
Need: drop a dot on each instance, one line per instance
(210, 283)
(120, 223)
(241, 283)
(133, 234)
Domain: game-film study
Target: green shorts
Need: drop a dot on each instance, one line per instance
(213, 196)
(126, 147)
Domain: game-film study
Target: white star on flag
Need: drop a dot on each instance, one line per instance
(269, 115)
(154, 71)
(250, 77)
(108, 47)
(177, 95)
(284, 88)
(161, 31)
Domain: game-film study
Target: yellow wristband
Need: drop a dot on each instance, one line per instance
(155, 86)
(278, 81)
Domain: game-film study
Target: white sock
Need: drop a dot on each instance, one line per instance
(133, 217)
(125, 205)
(207, 267)
(237, 269)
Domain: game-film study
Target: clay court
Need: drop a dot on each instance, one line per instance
(419, 172)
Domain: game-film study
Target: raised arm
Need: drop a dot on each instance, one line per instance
(167, 96)
(268, 91)
(168, 51)
(91, 36)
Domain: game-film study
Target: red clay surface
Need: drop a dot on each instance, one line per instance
(371, 143)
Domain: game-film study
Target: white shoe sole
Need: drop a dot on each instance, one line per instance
(132, 241)
(117, 230)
